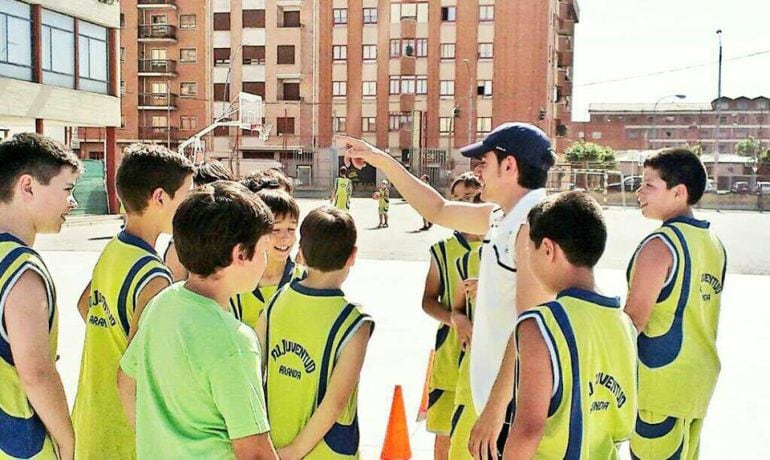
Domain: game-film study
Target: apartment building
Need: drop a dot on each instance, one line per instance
(164, 79)
(58, 70)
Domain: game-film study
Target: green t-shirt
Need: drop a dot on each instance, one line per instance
(198, 378)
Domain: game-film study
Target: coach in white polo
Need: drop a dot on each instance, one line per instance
(513, 162)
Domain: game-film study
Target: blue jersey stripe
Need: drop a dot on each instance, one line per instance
(654, 430)
(126, 287)
(326, 363)
(21, 437)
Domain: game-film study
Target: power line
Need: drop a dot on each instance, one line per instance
(668, 71)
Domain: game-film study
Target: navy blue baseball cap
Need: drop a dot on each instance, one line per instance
(527, 143)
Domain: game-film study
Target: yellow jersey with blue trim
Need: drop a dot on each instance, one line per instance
(22, 433)
(247, 307)
(124, 268)
(307, 330)
(590, 340)
(445, 254)
(343, 190)
(467, 268)
(678, 360)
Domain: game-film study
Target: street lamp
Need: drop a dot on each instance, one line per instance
(470, 99)
(655, 117)
(715, 171)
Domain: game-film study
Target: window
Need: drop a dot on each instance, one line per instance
(447, 88)
(255, 87)
(596, 135)
(339, 52)
(285, 54)
(188, 89)
(122, 87)
(485, 51)
(398, 120)
(368, 124)
(486, 12)
(284, 125)
(370, 15)
(484, 88)
(340, 16)
(58, 39)
(409, 12)
(370, 52)
(291, 19)
(253, 18)
(445, 125)
(253, 55)
(291, 91)
(339, 124)
(742, 105)
(407, 85)
(761, 105)
(407, 47)
(395, 85)
(122, 121)
(187, 21)
(483, 125)
(448, 13)
(632, 134)
(422, 85)
(122, 54)
(188, 55)
(369, 88)
(188, 122)
(221, 92)
(122, 20)
(339, 88)
(447, 51)
(159, 87)
(221, 21)
(221, 56)
(395, 48)
(159, 121)
(421, 47)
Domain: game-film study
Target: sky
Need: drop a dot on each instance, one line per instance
(617, 39)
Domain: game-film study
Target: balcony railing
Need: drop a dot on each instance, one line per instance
(163, 66)
(157, 101)
(157, 32)
(158, 132)
(565, 26)
(565, 59)
(156, 3)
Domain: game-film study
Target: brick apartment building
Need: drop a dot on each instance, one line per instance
(645, 126)
(406, 75)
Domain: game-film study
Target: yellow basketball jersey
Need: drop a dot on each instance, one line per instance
(248, 306)
(22, 433)
(445, 253)
(343, 190)
(678, 360)
(467, 268)
(124, 268)
(301, 356)
(590, 340)
(384, 199)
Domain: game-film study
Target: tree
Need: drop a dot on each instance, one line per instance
(582, 152)
(748, 148)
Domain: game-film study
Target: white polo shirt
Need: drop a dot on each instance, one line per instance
(495, 313)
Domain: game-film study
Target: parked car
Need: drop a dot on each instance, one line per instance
(762, 188)
(630, 184)
(741, 187)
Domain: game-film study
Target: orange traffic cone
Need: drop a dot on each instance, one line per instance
(422, 413)
(397, 437)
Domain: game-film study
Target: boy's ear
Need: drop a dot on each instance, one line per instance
(352, 258)
(680, 190)
(25, 185)
(549, 247)
(157, 195)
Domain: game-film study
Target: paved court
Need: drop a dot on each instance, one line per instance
(387, 281)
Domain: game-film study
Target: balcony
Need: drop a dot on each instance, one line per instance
(563, 78)
(565, 27)
(157, 101)
(564, 90)
(565, 59)
(157, 68)
(156, 4)
(161, 133)
(157, 33)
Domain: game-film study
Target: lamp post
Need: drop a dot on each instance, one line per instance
(715, 171)
(470, 100)
(655, 114)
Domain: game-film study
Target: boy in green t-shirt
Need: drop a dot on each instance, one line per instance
(191, 378)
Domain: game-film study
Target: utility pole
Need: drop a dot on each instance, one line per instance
(470, 101)
(715, 171)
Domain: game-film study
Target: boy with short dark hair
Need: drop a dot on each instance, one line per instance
(342, 190)
(281, 268)
(575, 391)
(152, 181)
(313, 366)
(191, 378)
(675, 287)
(37, 177)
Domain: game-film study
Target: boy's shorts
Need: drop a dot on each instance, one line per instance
(462, 423)
(441, 404)
(659, 436)
(383, 209)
